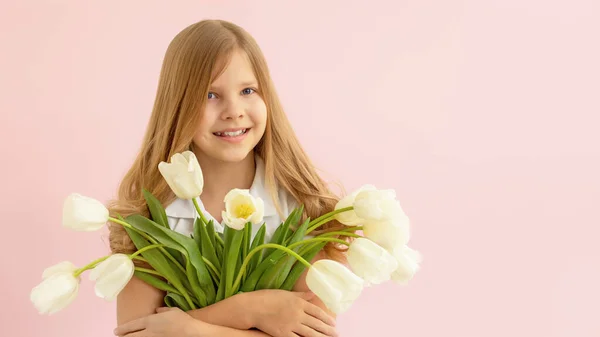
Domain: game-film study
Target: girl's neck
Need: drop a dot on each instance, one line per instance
(221, 177)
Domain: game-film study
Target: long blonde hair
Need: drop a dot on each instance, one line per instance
(194, 58)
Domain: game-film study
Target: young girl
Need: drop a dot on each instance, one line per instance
(215, 97)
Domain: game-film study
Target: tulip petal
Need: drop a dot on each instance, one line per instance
(62, 267)
(370, 261)
(55, 293)
(112, 275)
(408, 264)
(349, 218)
(82, 213)
(336, 285)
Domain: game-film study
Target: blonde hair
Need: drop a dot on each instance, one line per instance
(194, 58)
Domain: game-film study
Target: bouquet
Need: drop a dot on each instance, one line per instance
(206, 267)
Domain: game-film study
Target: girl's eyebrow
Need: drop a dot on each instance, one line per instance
(243, 84)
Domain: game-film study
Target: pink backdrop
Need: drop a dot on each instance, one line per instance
(483, 115)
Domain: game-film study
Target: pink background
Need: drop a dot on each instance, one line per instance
(483, 115)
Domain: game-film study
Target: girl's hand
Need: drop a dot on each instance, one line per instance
(167, 322)
(281, 313)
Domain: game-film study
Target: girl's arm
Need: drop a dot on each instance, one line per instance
(139, 299)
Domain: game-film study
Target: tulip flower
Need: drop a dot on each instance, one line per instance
(183, 175)
(336, 285)
(408, 264)
(241, 207)
(82, 213)
(390, 233)
(349, 218)
(370, 261)
(112, 275)
(377, 205)
(58, 289)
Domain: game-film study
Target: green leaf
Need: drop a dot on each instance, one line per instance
(293, 219)
(176, 300)
(281, 231)
(274, 277)
(206, 246)
(269, 262)
(233, 245)
(154, 281)
(299, 267)
(156, 209)
(259, 239)
(196, 269)
(210, 229)
(159, 262)
(158, 215)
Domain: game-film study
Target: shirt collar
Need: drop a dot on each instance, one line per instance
(181, 208)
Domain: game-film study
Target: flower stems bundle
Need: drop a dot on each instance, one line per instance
(205, 267)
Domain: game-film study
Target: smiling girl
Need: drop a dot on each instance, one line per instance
(215, 97)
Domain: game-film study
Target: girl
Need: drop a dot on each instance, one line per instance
(215, 97)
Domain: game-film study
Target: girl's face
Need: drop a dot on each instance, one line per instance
(235, 116)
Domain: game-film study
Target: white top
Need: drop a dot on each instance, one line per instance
(181, 213)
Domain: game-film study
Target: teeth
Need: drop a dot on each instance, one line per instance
(231, 134)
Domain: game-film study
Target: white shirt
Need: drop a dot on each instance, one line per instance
(181, 213)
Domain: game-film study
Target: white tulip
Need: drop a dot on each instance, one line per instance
(241, 207)
(58, 289)
(390, 233)
(336, 285)
(349, 218)
(82, 213)
(112, 275)
(183, 175)
(370, 261)
(408, 264)
(377, 205)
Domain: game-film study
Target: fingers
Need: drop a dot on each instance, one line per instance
(320, 326)
(163, 309)
(131, 326)
(136, 334)
(319, 313)
(305, 331)
(306, 295)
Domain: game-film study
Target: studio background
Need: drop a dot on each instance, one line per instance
(483, 115)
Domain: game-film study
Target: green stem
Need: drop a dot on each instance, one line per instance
(158, 245)
(326, 218)
(149, 271)
(149, 238)
(352, 229)
(318, 239)
(339, 233)
(263, 246)
(203, 219)
(90, 265)
(140, 258)
(163, 250)
(200, 213)
(212, 267)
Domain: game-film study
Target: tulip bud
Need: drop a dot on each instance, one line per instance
(408, 264)
(241, 207)
(82, 213)
(377, 205)
(112, 275)
(336, 285)
(183, 175)
(370, 261)
(349, 218)
(58, 289)
(388, 234)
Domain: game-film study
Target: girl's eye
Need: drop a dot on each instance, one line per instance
(211, 95)
(248, 91)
